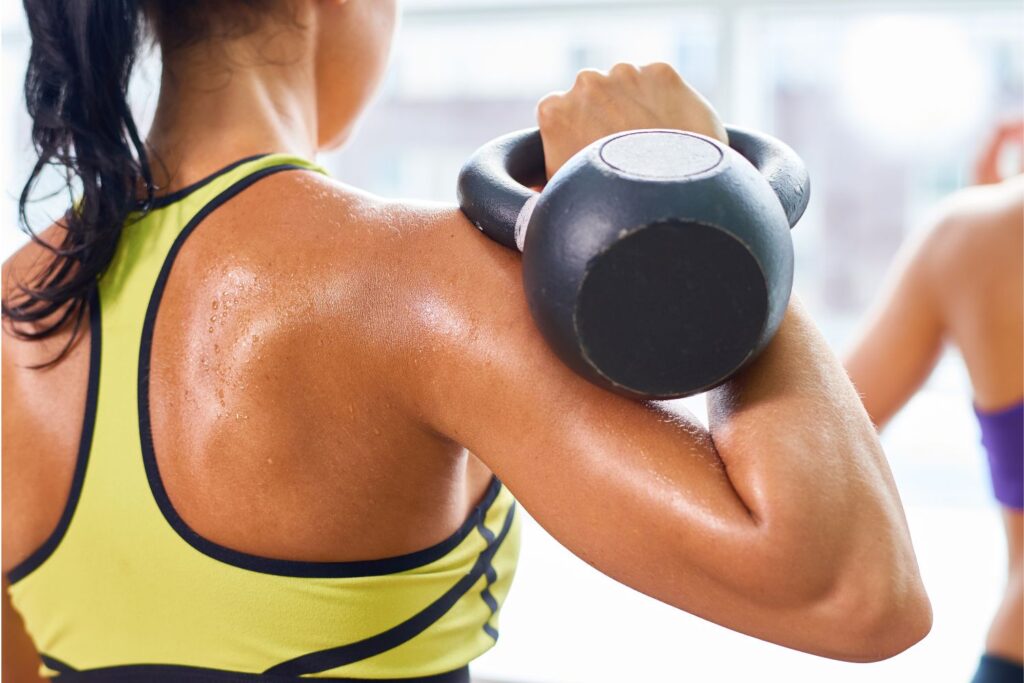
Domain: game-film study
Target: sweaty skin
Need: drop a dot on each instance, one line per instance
(361, 348)
(962, 284)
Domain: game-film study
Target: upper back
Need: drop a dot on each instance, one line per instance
(976, 266)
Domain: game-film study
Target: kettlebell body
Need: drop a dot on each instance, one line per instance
(656, 260)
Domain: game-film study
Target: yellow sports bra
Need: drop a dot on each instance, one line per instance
(123, 590)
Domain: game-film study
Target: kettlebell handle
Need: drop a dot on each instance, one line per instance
(493, 185)
(779, 164)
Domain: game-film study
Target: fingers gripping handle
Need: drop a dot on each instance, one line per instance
(780, 166)
(493, 190)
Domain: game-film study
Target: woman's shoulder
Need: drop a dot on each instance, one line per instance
(312, 216)
(981, 211)
(975, 228)
(21, 269)
(339, 237)
(354, 269)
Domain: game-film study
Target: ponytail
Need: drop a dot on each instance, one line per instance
(76, 90)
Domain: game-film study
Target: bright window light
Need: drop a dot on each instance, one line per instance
(910, 81)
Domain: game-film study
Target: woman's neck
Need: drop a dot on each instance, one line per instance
(219, 103)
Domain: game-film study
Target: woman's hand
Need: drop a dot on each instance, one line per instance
(626, 98)
(986, 168)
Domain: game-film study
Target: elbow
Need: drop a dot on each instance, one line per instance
(864, 605)
(869, 620)
(887, 630)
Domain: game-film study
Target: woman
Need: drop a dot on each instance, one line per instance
(294, 399)
(963, 284)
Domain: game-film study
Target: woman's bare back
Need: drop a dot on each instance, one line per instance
(278, 427)
(978, 271)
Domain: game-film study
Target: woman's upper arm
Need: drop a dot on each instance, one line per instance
(902, 340)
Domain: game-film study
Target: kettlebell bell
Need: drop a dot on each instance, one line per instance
(656, 263)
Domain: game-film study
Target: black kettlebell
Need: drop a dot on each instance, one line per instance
(656, 263)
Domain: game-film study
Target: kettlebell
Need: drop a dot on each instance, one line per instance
(656, 263)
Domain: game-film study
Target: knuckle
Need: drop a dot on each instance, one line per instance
(662, 70)
(624, 69)
(548, 108)
(588, 78)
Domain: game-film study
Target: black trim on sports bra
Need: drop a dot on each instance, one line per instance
(325, 660)
(492, 575)
(165, 673)
(227, 555)
(168, 199)
(33, 561)
(54, 664)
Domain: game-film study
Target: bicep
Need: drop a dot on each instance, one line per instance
(902, 341)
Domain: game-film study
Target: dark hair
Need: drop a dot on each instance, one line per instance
(76, 90)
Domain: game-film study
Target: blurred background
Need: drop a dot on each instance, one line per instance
(887, 101)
